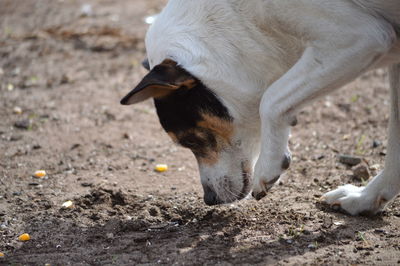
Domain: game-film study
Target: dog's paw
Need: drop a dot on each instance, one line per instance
(261, 187)
(354, 200)
(263, 183)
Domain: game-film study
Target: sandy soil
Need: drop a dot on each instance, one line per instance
(67, 71)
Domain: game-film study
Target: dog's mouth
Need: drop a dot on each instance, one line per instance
(226, 193)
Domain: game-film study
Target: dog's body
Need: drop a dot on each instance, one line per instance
(258, 62)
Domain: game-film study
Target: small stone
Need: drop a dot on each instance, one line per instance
(68, 205)
(36, 147)
(154, 211)
(23, 124)
(361, 173)
(75, 146)
(312, 246)
(349, 159)
(15, 137)
(375, 167)
(376, 144)
(64, 79)
(338, 223)
(86, 10)
(380, 231)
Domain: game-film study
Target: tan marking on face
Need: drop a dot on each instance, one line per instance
(173, 137)
(222, 128)
(205, 154)
(189, 83)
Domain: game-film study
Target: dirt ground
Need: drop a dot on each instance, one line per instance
(66, 64)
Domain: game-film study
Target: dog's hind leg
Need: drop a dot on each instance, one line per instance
(385, 186)
(327, 64)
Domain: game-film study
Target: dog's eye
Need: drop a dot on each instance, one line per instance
(191, 142)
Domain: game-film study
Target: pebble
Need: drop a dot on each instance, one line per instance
(375, 167)
(15, 137)
(361, 173)
(36, 147)
(380, 231)
(23, 124)
(86, 10)
(376, 143)
(68, 205)
(349, 159)
(312, 246)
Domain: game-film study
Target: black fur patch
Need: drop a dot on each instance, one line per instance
(181, 110)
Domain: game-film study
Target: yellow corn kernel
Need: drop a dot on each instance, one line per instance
(40, 174)
(2, 255)
(17, 110)
(161, 168)
(10, 87)
(68, 204)
(24, 237)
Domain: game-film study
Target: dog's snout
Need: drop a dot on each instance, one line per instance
(210, 196)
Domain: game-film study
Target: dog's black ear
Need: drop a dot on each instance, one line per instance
(162, 80)
(146, 64)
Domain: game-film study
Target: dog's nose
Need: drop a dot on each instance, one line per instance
(210, 197)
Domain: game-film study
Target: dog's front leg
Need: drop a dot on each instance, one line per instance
(322, 68)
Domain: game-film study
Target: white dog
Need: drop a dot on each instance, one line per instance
(229, 76)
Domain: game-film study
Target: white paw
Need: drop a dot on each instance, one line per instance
(354, 200)
(264, 182)
(262, 185)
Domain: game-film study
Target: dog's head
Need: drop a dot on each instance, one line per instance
(196, 118)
